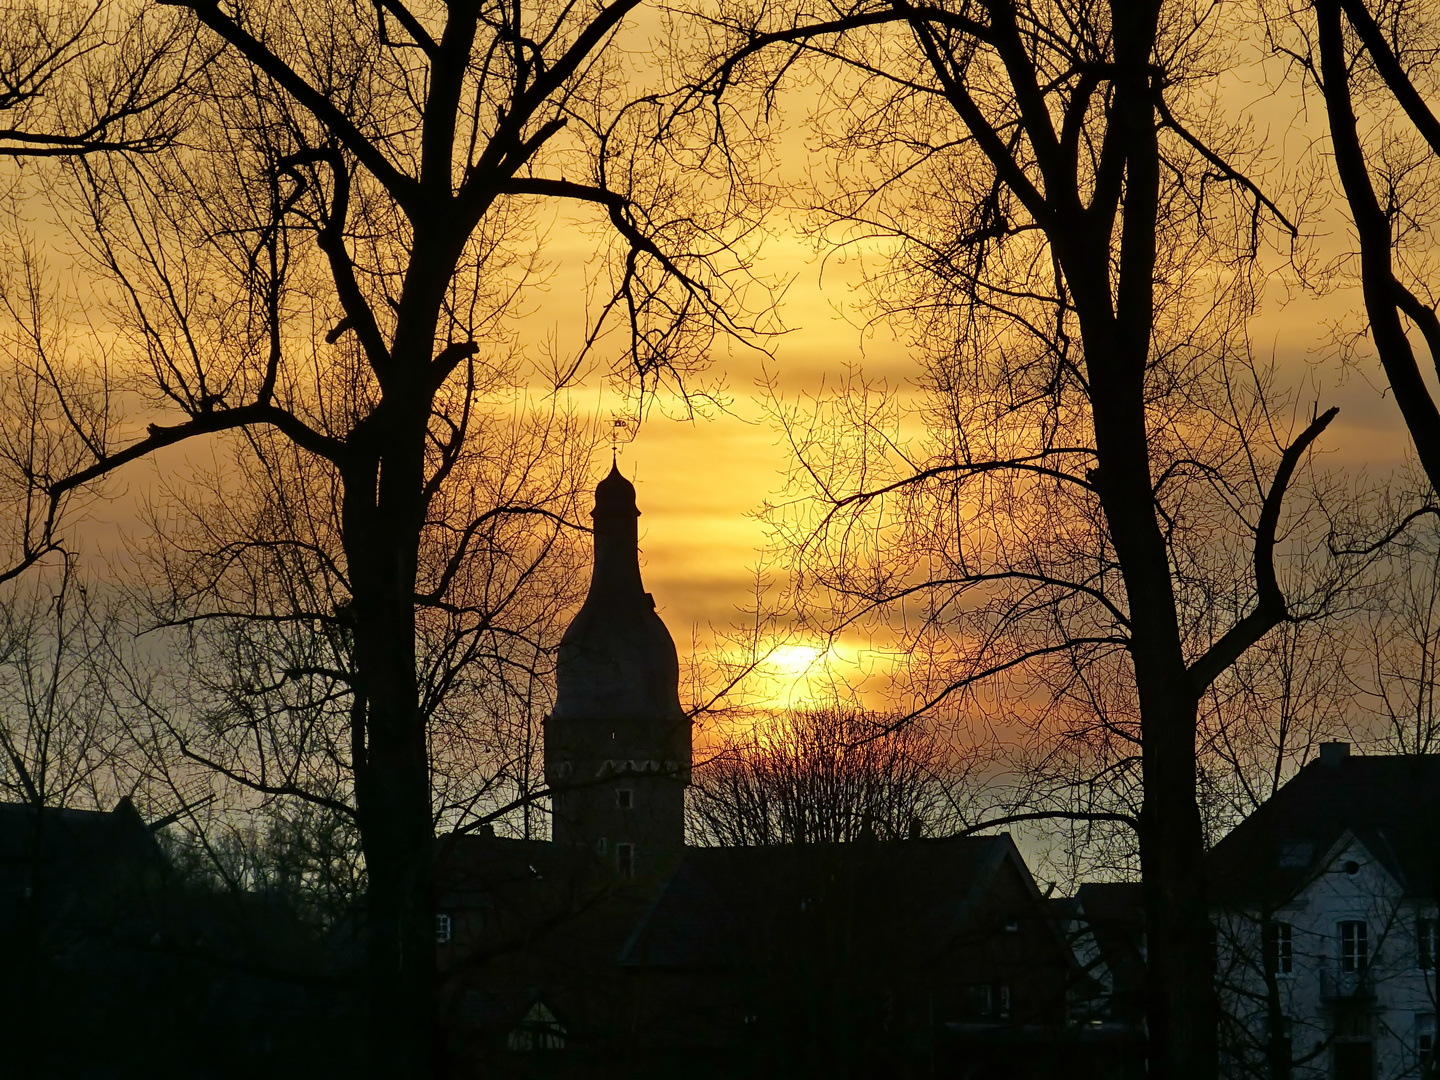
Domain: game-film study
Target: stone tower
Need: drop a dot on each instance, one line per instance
(617, 745)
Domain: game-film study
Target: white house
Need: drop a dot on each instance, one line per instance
(1325, 921)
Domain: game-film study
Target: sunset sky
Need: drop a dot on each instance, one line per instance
(1011, 449)
(700, 482)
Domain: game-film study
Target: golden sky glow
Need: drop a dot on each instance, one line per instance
(700, 481)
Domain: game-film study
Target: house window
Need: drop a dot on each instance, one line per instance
(538, 1030)
(1279, 948)
(1426, 941)
(1354, 946)
(982, 999)
(527, 1039)
(601, 846)
(624, 798)
(1424, 1038)
(1004, 1001)
(1296, 854)
(1353, 1020)
(625, 859)
(442, 929)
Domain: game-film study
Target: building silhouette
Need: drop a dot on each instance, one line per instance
(617, 743)
(614, 949)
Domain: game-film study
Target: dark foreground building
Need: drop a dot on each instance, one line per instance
(116, 968)
(615, 950)
(612, 950)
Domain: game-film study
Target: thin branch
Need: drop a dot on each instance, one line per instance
(1270, 609)
(403, 189)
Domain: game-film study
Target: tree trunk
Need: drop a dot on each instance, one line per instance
(396, 831)
(1181, 1010)
(383, 515)
(1180, 993)
(397, 836)
(1117, 329)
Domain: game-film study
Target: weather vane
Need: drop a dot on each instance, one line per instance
(622, 430)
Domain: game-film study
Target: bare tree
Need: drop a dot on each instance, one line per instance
(246, 580)
(1285, 697)
(823, 775)
(91, 77)
(1101, 506)
(327, 270)
(240, 684)
(61, 740)
(1398, 639)
(1375, 60)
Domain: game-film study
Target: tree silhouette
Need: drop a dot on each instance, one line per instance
(1384, 51)
(822, 775)
(325, 271)
(1099, 505)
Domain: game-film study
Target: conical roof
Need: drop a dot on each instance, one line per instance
(617, 660)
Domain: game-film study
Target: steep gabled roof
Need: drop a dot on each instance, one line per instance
(1371, 842)
(1390, 803)
(729, 906)
(55, 847)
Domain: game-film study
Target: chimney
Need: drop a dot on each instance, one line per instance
(1332, 754)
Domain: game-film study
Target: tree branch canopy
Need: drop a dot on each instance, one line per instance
(403, 189)
(328, 277)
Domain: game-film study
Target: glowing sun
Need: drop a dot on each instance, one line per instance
(794, 660)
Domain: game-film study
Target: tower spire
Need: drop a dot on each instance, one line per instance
(617, 743)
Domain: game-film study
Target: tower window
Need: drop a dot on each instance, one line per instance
(1425, 935)
(624, 798)
(625, 859)
(600, 846)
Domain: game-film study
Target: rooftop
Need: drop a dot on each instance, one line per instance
(1391, 803)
